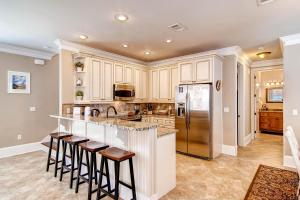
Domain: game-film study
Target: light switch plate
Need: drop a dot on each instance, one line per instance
(295, 112)
(32, 109)
(226, 109)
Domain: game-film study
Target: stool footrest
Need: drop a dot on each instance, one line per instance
(125, 184)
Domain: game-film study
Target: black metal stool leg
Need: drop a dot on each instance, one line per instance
(95, 167)
(72, 166)
(90, 176)
(63, 162)
(79, 170)
(100, 178)
(107, 175)
(56, 158)
(49, 154)
(132, 179)
(117, 179)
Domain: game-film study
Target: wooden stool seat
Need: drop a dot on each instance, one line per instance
(60, 135)
(48, 144)
(75, 140)
(93, 146)
(116, 154)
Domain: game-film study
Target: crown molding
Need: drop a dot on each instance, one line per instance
(78, 48)
(267, 63)
(234, 50)
(290, 40)
(12, 49)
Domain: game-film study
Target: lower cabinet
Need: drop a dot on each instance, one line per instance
(271, 121)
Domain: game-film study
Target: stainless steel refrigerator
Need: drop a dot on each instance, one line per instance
(193, 120)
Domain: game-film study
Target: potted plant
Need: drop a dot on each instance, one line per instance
(79, 66)
(79, 95)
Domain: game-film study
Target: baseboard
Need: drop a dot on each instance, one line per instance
(229, 150)
(248, 139)
(288, 161)
(21, 149)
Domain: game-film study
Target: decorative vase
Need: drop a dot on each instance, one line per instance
(79, 98)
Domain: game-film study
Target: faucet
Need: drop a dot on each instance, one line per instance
(109, 109)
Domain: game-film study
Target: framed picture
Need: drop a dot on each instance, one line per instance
(274, 95)
(18, 82)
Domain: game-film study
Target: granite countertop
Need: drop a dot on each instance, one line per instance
(130, 125)
(159, 116)
(165, 131)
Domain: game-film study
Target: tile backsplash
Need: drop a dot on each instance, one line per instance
(120, 106)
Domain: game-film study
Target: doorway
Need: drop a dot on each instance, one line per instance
(267, 100)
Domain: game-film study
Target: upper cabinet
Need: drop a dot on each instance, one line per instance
(186, 71)
(164, 84)
(128, 71)
(118, 74)
(203, 70)
(101, 80)
(123, 73)
(140, 80)
(154, 85)
(196, 71)
(174, 80)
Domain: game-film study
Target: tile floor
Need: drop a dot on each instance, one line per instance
(225, 178)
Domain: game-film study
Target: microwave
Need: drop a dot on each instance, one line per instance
(123, 92)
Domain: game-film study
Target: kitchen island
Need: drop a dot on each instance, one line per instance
(155, 160)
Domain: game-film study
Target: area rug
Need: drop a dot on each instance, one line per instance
(271, 183)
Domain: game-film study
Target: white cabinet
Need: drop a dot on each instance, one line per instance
(154, 84)
(95, 80)
(140, 83)
(144, 85)
(174, 81)
(107, 84)
(196, 71)
(203, 70)
(164, 84)
(128, 74)
(137, 82)
(186, 72)
(118, 74)
(123, 73)
(101, 80)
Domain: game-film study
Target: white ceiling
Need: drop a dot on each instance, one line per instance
(211, 24)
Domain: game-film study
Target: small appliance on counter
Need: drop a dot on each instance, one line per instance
(95, 112)
(87, 111)
(123, 92)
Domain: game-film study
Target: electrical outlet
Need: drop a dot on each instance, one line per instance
(19, 137)
(295, 112)
(226, 109)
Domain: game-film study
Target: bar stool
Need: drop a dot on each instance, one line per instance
(73, 142)
(117, 155)
(91, 147)
(55, 146)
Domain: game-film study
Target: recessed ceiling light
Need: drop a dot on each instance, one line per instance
(147, 52)
(46, 47)
(263, 54)
(261, 48)
(83, 37)
(121, 17)
(168, 41)
(125, 45)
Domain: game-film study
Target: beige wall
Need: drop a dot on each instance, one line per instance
(66, 77)
(230, 100)
(264, 77)
(15, 116)
(291, 59)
